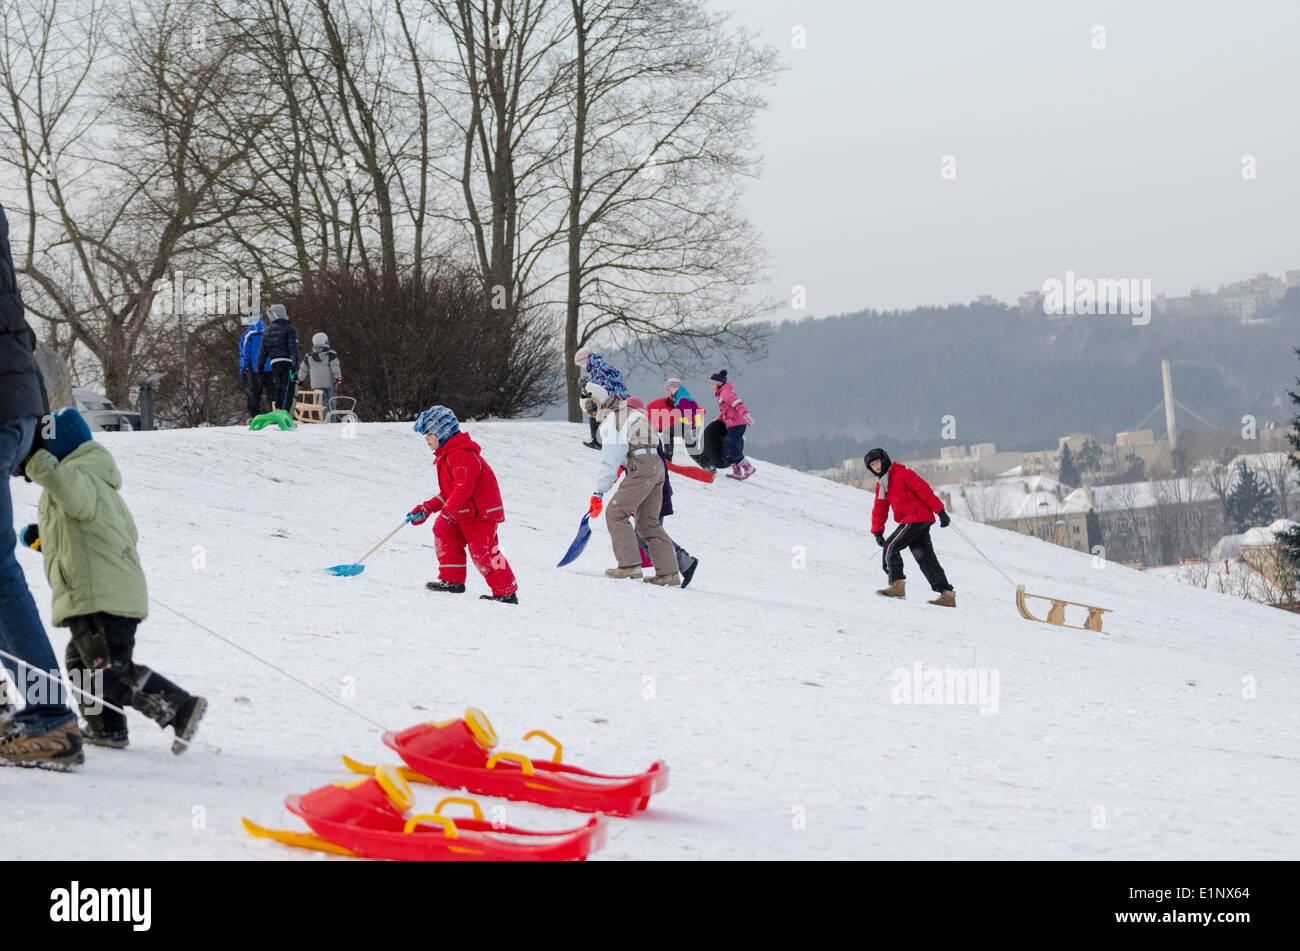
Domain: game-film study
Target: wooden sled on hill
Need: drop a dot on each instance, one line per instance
(1056, 614)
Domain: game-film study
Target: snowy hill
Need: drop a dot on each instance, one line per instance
(768, 686)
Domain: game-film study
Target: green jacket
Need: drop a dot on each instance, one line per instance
(87, 535)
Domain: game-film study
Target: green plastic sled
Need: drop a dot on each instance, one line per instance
(279, 417)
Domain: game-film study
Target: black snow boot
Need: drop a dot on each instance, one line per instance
(689, 571)
(186, 722)
(591, 444)
(510, 598)
(113, 739)
(447, 586)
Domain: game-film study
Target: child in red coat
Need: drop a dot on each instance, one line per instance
(468, 506)
(915, 505)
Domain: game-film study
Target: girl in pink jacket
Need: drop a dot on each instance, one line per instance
(737, 419)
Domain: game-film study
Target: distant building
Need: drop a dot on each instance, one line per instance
(1156, 521)
(1031, 303)
(1028, 505)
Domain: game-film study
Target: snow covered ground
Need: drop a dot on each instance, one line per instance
(769, 686)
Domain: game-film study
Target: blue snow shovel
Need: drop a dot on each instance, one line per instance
(347, 571)
(579, 543)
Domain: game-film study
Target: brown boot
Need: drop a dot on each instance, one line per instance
(673, 580)
(895, 590)
(59, 749)
(632, 572)
(947, 599)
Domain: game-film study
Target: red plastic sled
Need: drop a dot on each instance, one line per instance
(367, 818)
(662, 415)
(457, 754)
(691, 472)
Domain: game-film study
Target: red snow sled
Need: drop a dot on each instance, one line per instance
(457, 754)
(367, 818)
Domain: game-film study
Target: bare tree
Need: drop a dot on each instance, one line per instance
(987, 502)
(662, 102)
(96, 253)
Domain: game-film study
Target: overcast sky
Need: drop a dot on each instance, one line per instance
(1122, 162)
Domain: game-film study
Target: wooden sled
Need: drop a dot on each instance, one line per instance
(1056, 615)
(309, 407)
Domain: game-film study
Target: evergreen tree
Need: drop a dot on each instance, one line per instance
(1251, 501)
(1137, 468)
(1089, 458)
(1290, 539)
(1093, 524)
(1069, 473)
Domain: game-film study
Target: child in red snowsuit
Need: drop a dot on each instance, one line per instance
(468, 506)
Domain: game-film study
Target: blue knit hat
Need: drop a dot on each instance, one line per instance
(719, 378)
(439, 421)
(69, 430)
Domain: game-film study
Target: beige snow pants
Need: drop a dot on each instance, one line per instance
(641, 496)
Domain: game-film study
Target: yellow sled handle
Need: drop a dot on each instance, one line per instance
(481, 727)
(448, 827)
(524, 762)
(559, 750)
(478, 813)
(394, 785)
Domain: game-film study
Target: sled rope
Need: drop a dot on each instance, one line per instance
(67, 684)
(277, 669)
(982, 555)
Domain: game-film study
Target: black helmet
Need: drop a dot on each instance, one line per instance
(874, 454)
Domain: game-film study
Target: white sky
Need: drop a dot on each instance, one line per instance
(1124, 162)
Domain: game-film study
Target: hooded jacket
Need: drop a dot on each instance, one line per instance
(467, 486)
(280, 341)
(22, 393)
(251, 344)
(907, 494)
(322, 364)
(87, 535)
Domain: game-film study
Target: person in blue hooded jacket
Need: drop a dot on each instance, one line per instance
(252, 377)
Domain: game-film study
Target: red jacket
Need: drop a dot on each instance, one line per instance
(908, 495)
(467, 486)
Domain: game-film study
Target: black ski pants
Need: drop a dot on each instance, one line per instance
(257, 380)
(916, 536)
(104, 643)
(282, 388)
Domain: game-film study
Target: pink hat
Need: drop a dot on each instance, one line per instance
(580, 358)
(635, 402)
(672, 383)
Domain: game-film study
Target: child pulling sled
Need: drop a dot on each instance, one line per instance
(913, 502)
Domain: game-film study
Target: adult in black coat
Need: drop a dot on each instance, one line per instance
(280, 350)
(45, 732)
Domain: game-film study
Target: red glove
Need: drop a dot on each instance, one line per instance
(419, 514)
(596, 506)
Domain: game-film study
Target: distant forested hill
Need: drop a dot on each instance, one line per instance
(830, 387)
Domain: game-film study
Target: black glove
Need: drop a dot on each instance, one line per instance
(31, 537)
(944, 519)
(880, 538)
(243, 378)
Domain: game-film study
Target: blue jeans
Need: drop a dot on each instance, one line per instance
(21, 633)
(735, 436)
